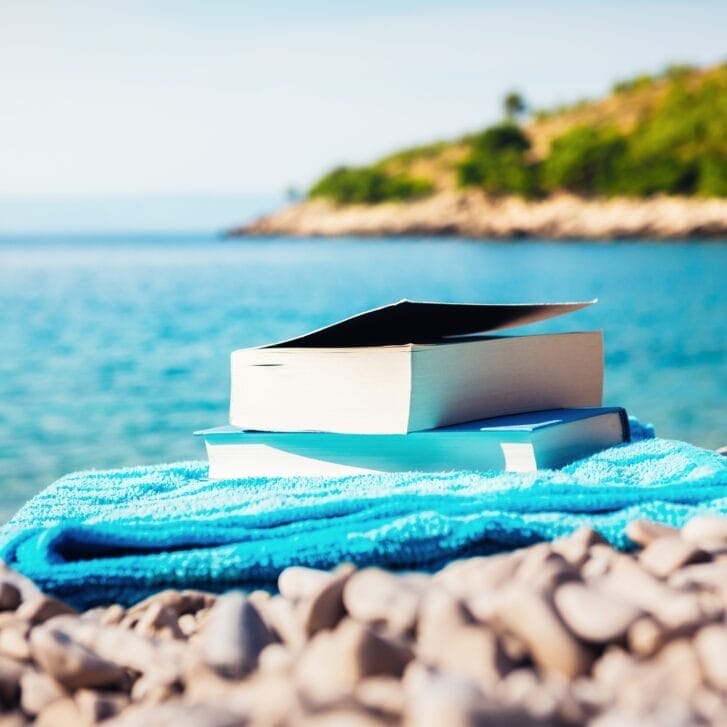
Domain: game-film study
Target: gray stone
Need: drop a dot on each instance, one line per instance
(41, 608)
(711, 648)
(576, 547)
(665, 555)
(70, 663)
(234, 635)
(529, 615)
(376, 597)
(10, 673)
(324, 608)
(594, 616)
(38, 690)
(95, 707)
(297, 583)
(59, 713)
(10, 596)
(645, 532)
(335, 661)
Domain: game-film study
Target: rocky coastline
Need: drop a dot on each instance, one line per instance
(565, 633)
(474, 215)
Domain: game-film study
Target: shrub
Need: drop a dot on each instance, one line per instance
(585, 161)
(368, 185)
(498, 162)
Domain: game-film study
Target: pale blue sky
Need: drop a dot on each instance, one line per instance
(180, 97)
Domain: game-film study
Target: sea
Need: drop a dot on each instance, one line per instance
(115, 348)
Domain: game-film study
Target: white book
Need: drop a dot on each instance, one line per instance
(415, 366)
(521, 442)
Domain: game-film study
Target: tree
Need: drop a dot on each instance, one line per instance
(514, 105)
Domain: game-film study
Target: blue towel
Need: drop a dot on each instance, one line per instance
(98, 537)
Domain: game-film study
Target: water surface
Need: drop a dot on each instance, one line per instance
(114, 349)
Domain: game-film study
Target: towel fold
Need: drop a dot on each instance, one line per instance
(117, 536)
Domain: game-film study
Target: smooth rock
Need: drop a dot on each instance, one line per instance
(60, 713)
(14, 640)
(382, 694)
(97, 706)
(176, 713)
(187, 601)
(297, 583)
(38, 690)
(13, 719)
(576, 547)
(646, 636)
(70, 663)
(543, 569)
(709, 531)
(10, 673)
(234, 635)
(593, 616)
(645, 532)
(665, 555)
(376, 597)
(447, 638)
(10, 596)
(41, 608)
(711, 647)
(471, 576)
(324, 608)
(283, 621)
(531, 618)
(159, 620)
(335, 661)
(275, 658)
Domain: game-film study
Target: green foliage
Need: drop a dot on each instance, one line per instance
(498, 162)
(414, 153)
(368, 185)
(679, 147)
(585, 161)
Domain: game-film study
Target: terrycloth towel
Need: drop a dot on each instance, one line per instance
(99, 537)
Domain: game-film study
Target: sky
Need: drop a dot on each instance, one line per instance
(221, 103)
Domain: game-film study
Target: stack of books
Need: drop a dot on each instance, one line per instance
(417, 387)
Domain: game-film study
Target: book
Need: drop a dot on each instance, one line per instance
(520, 442)
(413, 366)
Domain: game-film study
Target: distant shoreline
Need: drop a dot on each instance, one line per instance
(475, 215)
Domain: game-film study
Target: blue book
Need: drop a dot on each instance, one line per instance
(519, 442)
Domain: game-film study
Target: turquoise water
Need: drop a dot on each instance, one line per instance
(113, 350)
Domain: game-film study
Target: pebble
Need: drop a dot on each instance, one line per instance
(576, 547)
(41, 608)
(14, 640)
(531, 618)
(10, 597)
(70, 663)
(376, 597)
(10, 673)
(668, 554)
(60, 713)
(324, 608)
(711, 647)
(593, 616)
(298, 583)
(356, 651)
(234, 635)
(38, 690)
(645, 532)
(98, 706)
(707, 531)
(571, 632)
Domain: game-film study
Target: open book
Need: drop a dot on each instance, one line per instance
(413, 366)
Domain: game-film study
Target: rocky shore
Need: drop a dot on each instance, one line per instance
(571, 632)
(474, 215)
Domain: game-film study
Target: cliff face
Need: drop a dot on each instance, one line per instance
(473, 214)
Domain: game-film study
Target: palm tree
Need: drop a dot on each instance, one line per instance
(514, 105)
